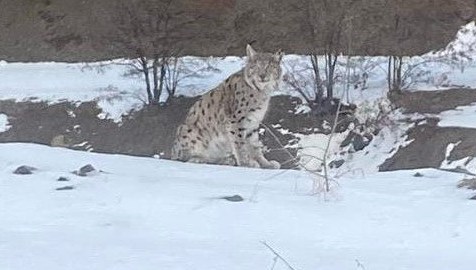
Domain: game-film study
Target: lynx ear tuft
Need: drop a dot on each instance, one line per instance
(250, 52)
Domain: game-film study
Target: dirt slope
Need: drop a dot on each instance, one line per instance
(71, 30)
(429, 141)
(146, 132)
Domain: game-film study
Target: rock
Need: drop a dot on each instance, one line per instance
(473, 198)
(86, 170)
(359, 142)
(65, 188)
(348, 139)
(336, 163)
(24, 170)
(418, 174)
(63, 179)
(234, 198)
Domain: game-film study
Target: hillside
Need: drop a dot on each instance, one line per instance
(77, 31)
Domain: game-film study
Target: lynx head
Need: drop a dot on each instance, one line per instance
(262, 70)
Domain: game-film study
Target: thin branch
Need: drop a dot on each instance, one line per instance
(277, 140)
(277, 255)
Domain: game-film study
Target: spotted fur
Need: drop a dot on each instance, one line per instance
(222, 127)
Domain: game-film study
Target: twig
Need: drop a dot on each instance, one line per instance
(275, 261)
(359, 265)
(329, 141)
(277, 256)
(277, 140)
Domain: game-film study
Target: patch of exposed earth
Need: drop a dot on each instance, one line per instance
(429, 141)
(149, 131)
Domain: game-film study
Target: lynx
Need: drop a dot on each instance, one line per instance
(222, 127)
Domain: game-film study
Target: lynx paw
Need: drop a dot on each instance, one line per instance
(196, 160)
(272, 164)
(229, 160)
(253, 164)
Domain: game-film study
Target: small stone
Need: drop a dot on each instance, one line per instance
(336, 163)
(24, 170)
(418, 174)
(63, 179)
(348, 139)
(473, 198)
(234, 198)
(65, 188)
(359, 142)
(86, 170)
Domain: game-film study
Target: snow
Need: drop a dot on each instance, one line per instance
(102, 82)
(148, 213)
(467, 163)
(4, 126)
(463, 45)
(463, 116)
(313, 149)
(144, 213)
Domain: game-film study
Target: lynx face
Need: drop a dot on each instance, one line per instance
(262, 70)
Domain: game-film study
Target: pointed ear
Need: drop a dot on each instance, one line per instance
(250, 52)
(279, 55)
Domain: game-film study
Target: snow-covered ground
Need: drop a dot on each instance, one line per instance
(4, 126)
(464, 116)
(143, 213)
(102, 82)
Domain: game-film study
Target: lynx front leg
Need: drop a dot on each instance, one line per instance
(256, 151)
(234, 146)
(242, 148)
(243, 154)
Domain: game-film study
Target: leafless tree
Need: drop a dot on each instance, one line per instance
(404, 72)
(394, 73)
(148, 29)
(180, 69)
(332, 20)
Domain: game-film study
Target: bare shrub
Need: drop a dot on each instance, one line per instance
(316, 78)
(406, 72)
(148, 29)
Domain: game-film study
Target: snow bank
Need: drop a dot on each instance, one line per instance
(143, 213)
(103, 82)
(463, 116)
(4, 126)
(313, 149)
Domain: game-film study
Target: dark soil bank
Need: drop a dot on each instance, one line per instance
(151, 130)
(71, 30)
(147, 132)
(429, 141)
